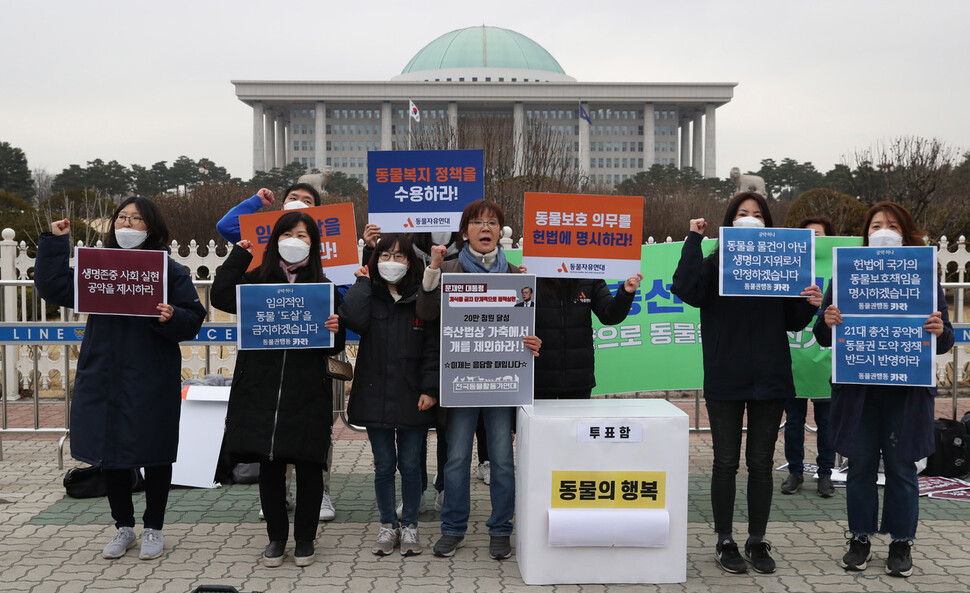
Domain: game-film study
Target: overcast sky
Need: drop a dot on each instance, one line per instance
(141, 82)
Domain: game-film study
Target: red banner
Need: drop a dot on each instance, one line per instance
(120, 281)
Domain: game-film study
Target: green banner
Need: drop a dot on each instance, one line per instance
(658, 346)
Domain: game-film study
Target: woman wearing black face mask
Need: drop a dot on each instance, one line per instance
(396, 383)
(126, 403)
(280, 406)
(747, 371)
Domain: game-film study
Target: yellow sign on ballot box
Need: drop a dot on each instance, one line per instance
(608, 490)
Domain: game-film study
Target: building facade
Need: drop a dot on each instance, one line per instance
(610, 130)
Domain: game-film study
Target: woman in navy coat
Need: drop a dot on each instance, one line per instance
(127, 389)
(896, 423)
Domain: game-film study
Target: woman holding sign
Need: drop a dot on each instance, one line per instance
(896, 421)
(280, 406)
(481, 227)
(396, 382)
(747, 370)
(126, 403)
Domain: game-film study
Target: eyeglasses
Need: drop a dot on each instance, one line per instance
(132, 220)
(397, 255)
(492, 224)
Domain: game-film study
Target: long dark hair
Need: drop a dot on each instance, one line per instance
(912, 235)
(735, 203)
(271, 257)
(157, 229)
(415, 271)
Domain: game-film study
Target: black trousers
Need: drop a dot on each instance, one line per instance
(117, 484)
(727, 419)
(272, 497)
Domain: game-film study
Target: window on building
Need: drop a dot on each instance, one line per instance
(296, 145)
(639, 146)
(304, 161)
(313, 145)
(639, 163)
(329, 159)
(656, 147)
(313, 162)
(673, 147)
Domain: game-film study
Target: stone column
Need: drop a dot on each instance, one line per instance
(320, 136)
(697, 160)
(649, 136)
(386, 125)
(518, 139)
(280, 140)
(452, 125)
(584, 168)
(270, 139)
(684, 142)
(710, 152)
(259, 146)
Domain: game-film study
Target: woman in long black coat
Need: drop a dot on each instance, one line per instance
(747, 373)
(126, 403)
(281, 401)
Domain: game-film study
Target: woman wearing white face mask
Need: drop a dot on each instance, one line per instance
(396, 382)
(280, 406)
(896, 423)
(126, 401)
(747, 371)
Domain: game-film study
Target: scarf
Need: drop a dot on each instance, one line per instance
(290, 269)
(487, 263)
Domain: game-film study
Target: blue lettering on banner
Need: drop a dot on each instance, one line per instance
(880, 280)
(272, 316)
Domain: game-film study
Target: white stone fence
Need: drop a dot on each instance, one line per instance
(20, 304)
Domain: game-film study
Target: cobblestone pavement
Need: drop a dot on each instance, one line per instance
(50, 543)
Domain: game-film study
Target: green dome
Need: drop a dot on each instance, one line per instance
(484, 47)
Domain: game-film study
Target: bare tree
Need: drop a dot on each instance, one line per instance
(88, 207)
(908, 170)
(44, 184)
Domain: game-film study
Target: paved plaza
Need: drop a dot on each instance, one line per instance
(50, 543)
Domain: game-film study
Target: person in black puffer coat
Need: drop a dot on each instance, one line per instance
(747, 371)
(564, 323)
(281, 401)
(396, 384)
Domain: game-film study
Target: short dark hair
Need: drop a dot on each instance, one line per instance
(823, 221)
(476, 210)
(912, 235)
(735, 203)
(271, 257)
(305, 187)
(415, 268)
(154, 221)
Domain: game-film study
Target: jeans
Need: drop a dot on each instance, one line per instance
(272, 498)
(796, 410)
(461, 430)
(726, 418)
(442, 435)
(882, 419)
(406, 458)
(117, 484)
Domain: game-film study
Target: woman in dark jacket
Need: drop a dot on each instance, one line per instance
(396, 382)
(281, 402)
(896, 421)
(747, 368)
(564, 323)
(126, 403)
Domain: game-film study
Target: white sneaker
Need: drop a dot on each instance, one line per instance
(410, 545)
(327, 512)
(123, 539)
(439, 500)
(152, 544)
(484, 472)
(387, 539)
(421, 508)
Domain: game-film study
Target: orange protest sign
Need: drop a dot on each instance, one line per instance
(338, 237)
(582, 235)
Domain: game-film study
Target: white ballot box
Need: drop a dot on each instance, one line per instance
(201, 427)
(601, 492)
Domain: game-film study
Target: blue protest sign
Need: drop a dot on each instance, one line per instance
(882, 350)
(272, 316)
(422, 190)
(884, 280)
(766, 262)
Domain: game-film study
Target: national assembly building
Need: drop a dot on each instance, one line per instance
(608, 131)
